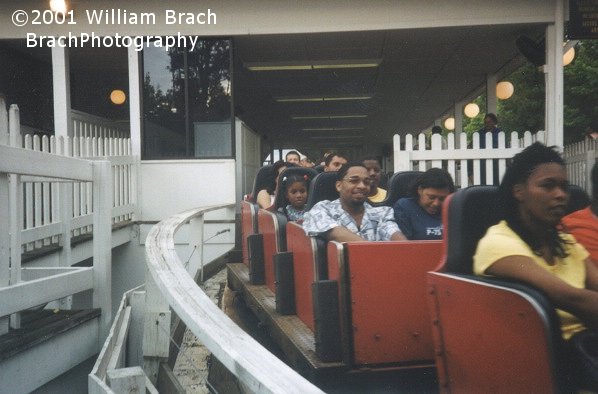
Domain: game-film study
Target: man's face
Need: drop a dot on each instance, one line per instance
(335, 164)
(354, 188)
(293, 158)
(374, 171)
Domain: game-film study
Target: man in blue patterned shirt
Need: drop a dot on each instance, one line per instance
(350, 217)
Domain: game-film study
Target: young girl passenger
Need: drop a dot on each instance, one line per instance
(295, 192)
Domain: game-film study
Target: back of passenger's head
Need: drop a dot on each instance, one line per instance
(522, 166)
(342, 172)
(278, 165)
(436, 130)
(492, 117)
(435, 178)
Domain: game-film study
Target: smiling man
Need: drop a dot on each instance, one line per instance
(350, 217)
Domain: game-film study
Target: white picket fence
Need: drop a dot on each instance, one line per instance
(41, 202)
(465, 163)
(87, 125)
(580, 157)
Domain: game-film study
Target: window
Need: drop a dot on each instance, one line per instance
(187, 103)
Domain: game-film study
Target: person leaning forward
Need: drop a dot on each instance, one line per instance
(350, 217)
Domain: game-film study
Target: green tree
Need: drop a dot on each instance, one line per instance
(524, 111)
(581, 91)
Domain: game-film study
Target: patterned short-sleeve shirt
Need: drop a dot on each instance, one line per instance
(377, 223)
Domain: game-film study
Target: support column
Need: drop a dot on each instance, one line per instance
(553, 74)
(135, 125)
(62, 92)
(134, 101)
(491, 102)
(458, 122)
(102, 244)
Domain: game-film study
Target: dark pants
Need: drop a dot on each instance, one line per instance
(583, 355)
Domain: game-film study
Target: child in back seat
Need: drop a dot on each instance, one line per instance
(295, 192)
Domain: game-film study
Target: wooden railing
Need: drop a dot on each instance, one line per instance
(41, 219)
(23, 288)
(169, 285)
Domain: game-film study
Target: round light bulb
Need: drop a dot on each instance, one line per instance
(449, 123)
(58, 6)
(471, 110)
(569, 56)
(118, 97)
(504, 90)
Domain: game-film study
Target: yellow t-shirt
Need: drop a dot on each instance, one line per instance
(501, 241)
(379, 196)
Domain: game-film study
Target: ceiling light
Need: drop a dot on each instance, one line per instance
(471, 110)
(331, 128)
(117, 96)
(58, 6)
(328, 117)
(449, 123)
(569, 56)
(504, 90)
(319, 65)
(316, 99)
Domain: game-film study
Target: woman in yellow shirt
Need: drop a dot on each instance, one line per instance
(528, 246)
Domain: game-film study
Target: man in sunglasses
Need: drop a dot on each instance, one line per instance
(350, 217)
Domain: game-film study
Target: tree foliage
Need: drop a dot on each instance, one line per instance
(525, 109)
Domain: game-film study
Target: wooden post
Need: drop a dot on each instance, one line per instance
(4, 213)
(491, 102)
(16, 212)
(554, 77)
(156, 331)
(5, 209)
(65, 204)
(62, 92)
(102, 244)
(458, 121)
(3, 121)
(16, 226)
(196, 241)
(126, 380)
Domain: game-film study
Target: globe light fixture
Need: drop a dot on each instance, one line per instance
(504, 90)
(471, 110)
(449, 123)
(118, 97)
(58, 6)
(569, 56)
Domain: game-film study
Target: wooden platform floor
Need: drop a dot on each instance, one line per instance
(294, 338)
(38, 326)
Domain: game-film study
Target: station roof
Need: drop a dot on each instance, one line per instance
(350, 89)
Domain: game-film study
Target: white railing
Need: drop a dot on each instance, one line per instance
(23, 288)
(87, 125)
(41, 196)
(580, 158)
(169, 285)
(463, 163)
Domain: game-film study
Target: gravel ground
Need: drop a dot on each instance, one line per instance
(190, 368)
